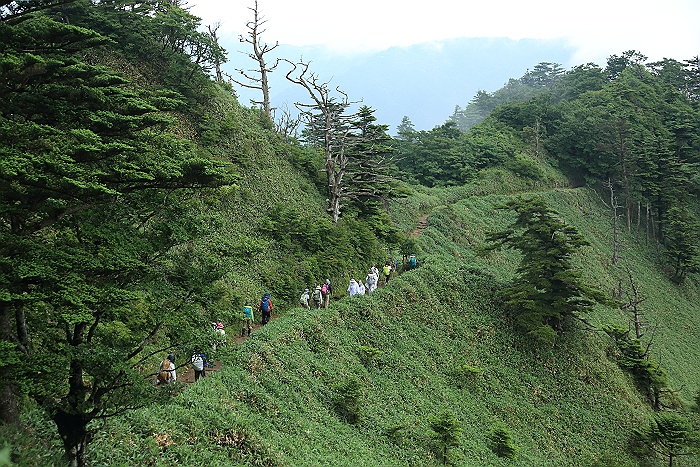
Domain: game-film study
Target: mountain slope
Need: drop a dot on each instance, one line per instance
(276, 401)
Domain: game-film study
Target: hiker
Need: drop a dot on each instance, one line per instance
(304, 299)
(353, 288)
(198, 364)
(372, 279)
(317, 297)
(218, 327)
(361, 288)
(374, 270)
(412, 262)
(166, 371)
(326, 291)
(265, 308)
(248, 318)
(386, 272)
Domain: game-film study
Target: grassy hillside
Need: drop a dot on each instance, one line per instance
(442, 343)
(362, 382)
(434, 339)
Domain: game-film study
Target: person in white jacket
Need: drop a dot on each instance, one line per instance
(353, 288)
(371, 280)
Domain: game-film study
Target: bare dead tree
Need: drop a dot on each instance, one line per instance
(286, 124)
(634, 299)
(536, 134)
(257, 78)
(334, 127)
(213, 28)
(355, 166)
(614, 207)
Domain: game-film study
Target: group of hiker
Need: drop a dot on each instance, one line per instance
(167, 373)
(319, 298)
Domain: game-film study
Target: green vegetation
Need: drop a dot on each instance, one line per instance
(502, 442)
(139, 201)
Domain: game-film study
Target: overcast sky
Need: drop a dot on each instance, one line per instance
(595, 28)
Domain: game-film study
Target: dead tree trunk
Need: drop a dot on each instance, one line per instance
(257, 78)
(332, 124)
(217, 64)
(614, 207)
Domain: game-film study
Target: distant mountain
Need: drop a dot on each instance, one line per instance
(424, 81)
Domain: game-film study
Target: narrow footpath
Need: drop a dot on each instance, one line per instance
(187, 375)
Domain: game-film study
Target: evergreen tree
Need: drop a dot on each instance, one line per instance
(548, 291)
(669, 435)
(446, 434)
(681, 235)
(93, 214)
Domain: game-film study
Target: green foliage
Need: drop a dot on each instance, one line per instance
(669, 435)
(467, 375)
(548, 293)
(396, 432)
(501, 442)
(635, 358)
(369, 355)
(446, 433)
(525, 167)
(5, 456)
(349, 400)
(444, 156)
(682, 250)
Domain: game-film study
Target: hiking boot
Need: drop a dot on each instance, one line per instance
(242, 332)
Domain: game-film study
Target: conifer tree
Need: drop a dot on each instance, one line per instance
(446, 433)
(548, 292)
(92, 216)
(669, 435)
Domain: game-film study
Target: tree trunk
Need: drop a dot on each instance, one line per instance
(9, 411)
(75, 436)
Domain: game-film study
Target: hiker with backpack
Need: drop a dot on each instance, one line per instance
(361, 288)
(372, 279)
(386, 272)
(166, 371)
(317, 297)
(326, 291)
(265, 308)
(304, 299)
(248, 318)
(412, 262)
(198, 364)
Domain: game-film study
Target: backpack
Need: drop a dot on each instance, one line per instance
(164, 375)
(412, 262)
(265, 305)
(324, 289)
(316, 295)
(197, 362)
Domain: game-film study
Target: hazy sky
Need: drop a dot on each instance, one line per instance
(595, 28)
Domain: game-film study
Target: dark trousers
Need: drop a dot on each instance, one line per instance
(265, 317)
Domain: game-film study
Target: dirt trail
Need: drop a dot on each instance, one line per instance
(422, 224)
(187, 375)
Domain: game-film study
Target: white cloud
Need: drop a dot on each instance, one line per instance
(596, 28)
